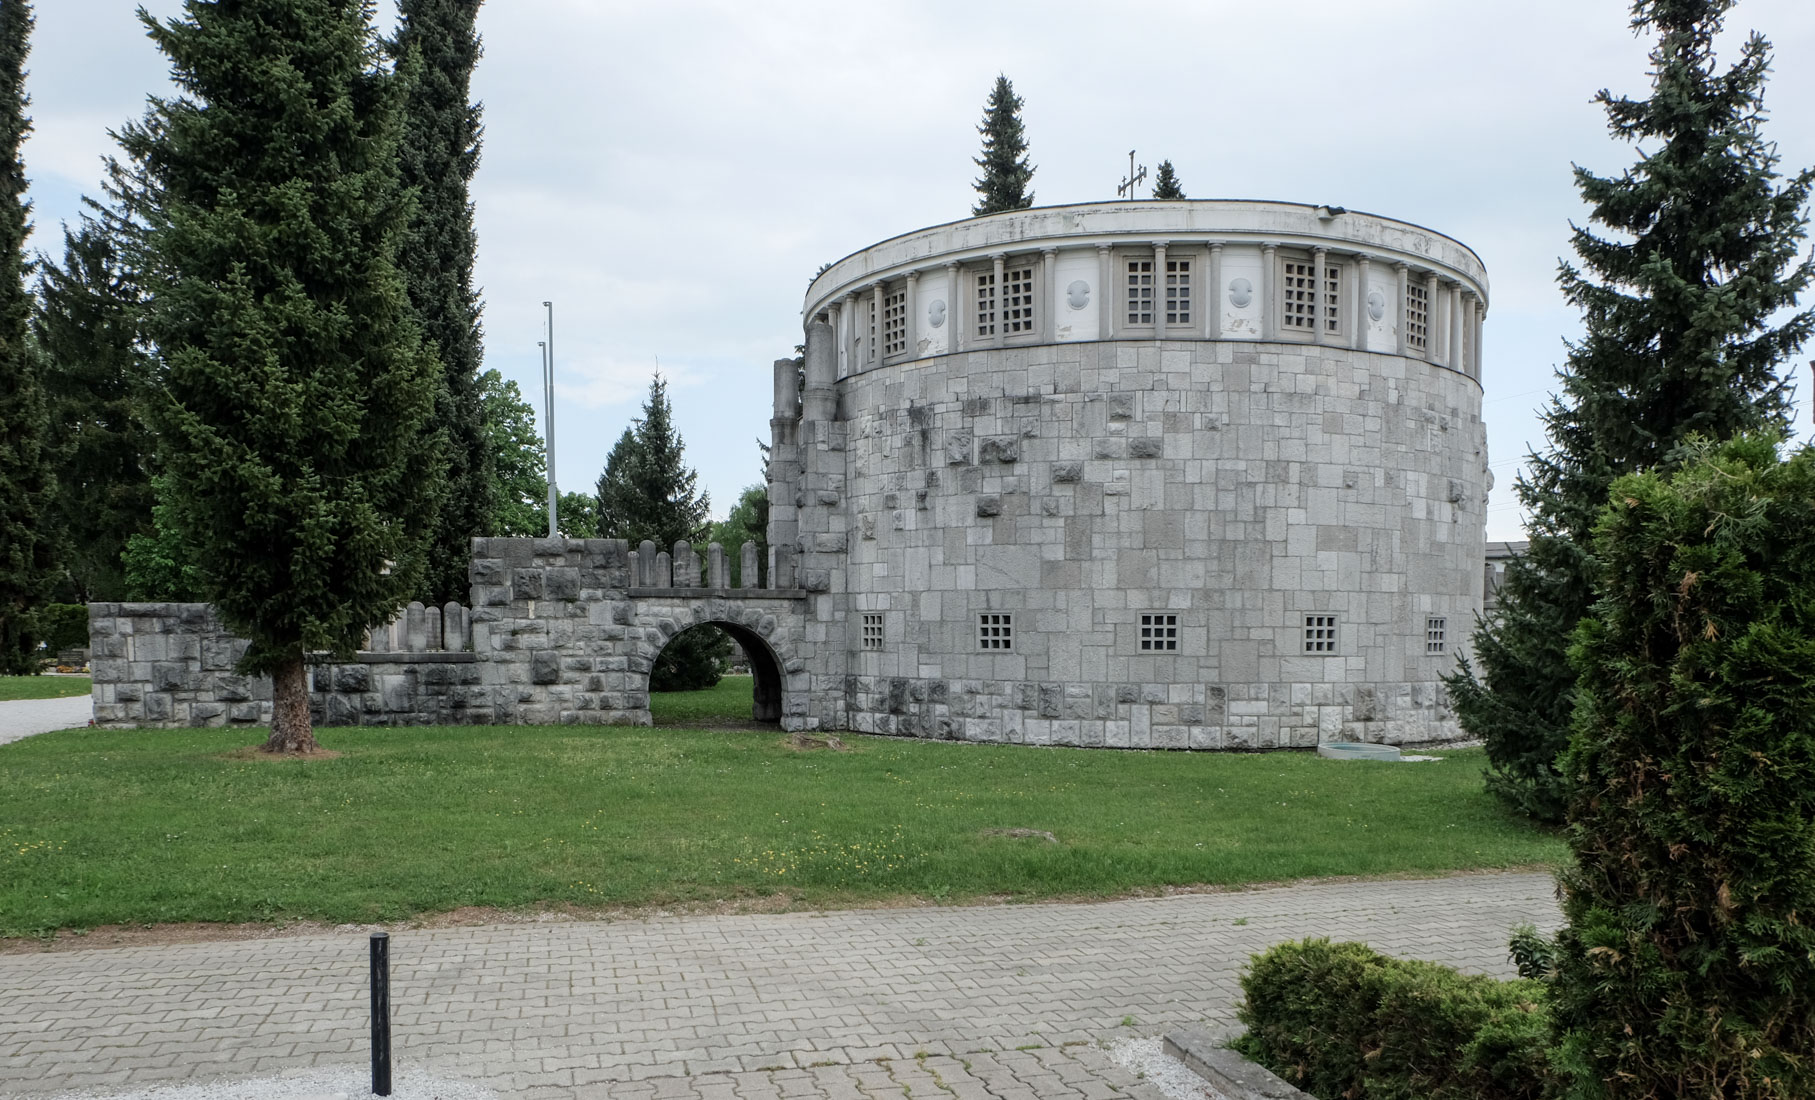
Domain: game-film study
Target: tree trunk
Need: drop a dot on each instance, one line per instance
(291, 731)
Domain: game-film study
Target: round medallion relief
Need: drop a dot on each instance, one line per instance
(1241, 292)
(935, 312)
(1376, 304)
(1078, 294)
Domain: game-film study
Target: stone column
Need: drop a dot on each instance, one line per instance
(954, 313)
(784, 469)
(1159, 290)
(875, 325)
(1213, 298)
(1269, 300)
(819, 398)
(1480, 320)
(1359, 341)
(1000, 260)
(819, 546)
(1455, 327)
(1319, 307)
(834, 314)
(1404, 306)
(1106, 298)
(910, 312)
(850, 334)
(1435, 316)
(1046, 305)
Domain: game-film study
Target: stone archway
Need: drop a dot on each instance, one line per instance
(759, 631)
(765, 666)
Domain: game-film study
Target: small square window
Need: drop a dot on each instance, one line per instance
(1178, 292)
(1434, 631)
(1298, 295)
(1018, 307)
(1332, 297)
(995, 630)
(872, 631)
(986, 303)
(894, 323)
(1140, 292)
(1159, 633)
(1417, 316)
(1320, 633)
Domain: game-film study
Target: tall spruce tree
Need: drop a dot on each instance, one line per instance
(94, 373)
(26, 485)
(1687, 967)
(1006, 171)
(438, 155)
(1165, 182)
(648, 492)
(292, 392)
(1697, 254)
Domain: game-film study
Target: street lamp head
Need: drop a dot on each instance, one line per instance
(548, 303)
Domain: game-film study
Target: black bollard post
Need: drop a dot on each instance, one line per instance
(381, 1014)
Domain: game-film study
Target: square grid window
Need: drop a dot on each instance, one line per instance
(894, 323)
(986, 303)
(995, 630)
(1178, 292)
(1332, 297)
(1434, 630)
(1320, 633)
(1159, 633)
(1018, 306)
(1417, 317)
(1297, 296)
(1140, 292)
(872, 631)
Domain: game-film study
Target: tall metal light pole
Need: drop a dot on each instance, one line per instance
(548, 385)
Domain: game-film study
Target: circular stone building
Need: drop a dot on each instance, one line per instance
(1149, 474)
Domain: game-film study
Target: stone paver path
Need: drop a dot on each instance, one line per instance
(1009, 1002)
(23, 717)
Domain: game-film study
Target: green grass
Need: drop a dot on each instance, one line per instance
(42, 687)
(101, 827)
(728, 702)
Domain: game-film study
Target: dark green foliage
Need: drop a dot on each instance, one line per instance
(161, 564)
(62, 626)
(1534, 953)
(27, 542)
(292, 390)
(437, 155)
(1699, 255)
(1343, 1022)
(1165, 182)
(647, 492)
(1006, 171)
(94, 371)
(1688, 965)
(576, 515)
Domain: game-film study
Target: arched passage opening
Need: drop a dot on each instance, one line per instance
(765, 666)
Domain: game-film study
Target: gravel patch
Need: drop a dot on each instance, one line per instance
(347, 1083)
(1171, 1076)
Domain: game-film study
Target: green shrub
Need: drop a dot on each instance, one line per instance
(1687, 967)
(1344, 1022)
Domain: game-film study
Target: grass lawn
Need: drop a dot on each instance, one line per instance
(42, 687)
(101, 827)
(728, 702)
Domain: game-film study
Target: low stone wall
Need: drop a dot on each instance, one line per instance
(171, 665)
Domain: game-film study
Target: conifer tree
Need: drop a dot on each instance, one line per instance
(1006, 171)
(1696, 255)
(1687, 967)
(1165, 182)
(26, 485)
(94, 373)
(647, 492)
(438, 155)
(291, 392)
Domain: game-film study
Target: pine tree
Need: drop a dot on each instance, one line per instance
(26, 484)
(94, 373)
(292, 391)
(647, 492)
(1698, 255)
(438, 155)
(1165, 182)
(1687, 967)
(1006, 172)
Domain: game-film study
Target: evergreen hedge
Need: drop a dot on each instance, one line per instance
(1340, 1020)
(1688, 964)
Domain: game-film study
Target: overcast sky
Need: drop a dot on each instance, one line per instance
(672, 174)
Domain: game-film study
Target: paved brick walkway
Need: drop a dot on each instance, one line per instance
(1005, 1002)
